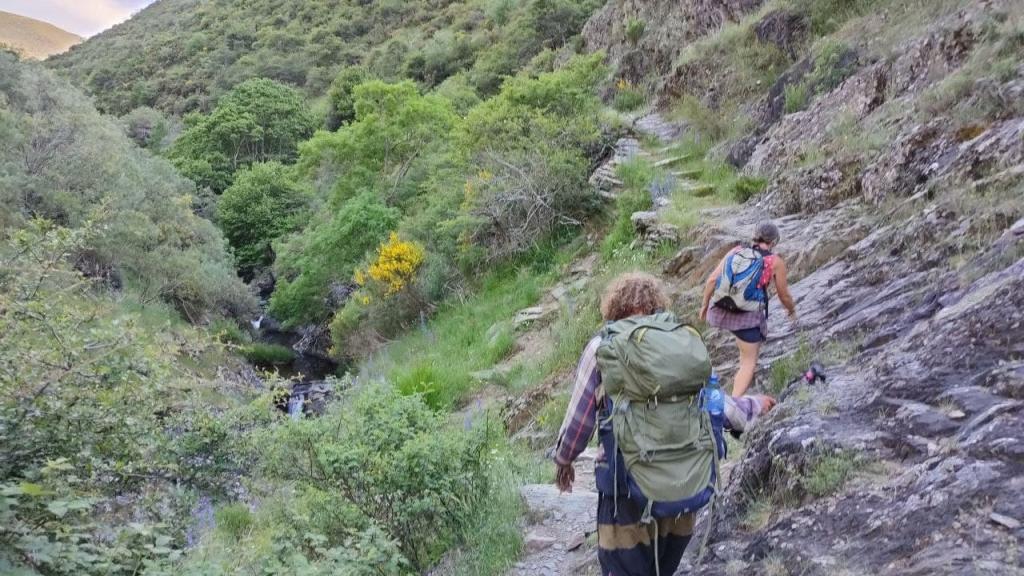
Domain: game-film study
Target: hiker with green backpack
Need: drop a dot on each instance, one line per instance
(642, 383)
(737, 293)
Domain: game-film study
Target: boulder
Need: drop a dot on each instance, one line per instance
(682, 261)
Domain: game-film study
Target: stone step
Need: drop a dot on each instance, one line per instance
(673, 160)
(698, 190)
(691, 173)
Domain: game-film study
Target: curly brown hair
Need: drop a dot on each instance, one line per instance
(631, 294)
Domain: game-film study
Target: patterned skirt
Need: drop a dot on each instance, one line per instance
(627, 547)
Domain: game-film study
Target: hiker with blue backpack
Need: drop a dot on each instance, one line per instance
(736, 297)
(646, 385)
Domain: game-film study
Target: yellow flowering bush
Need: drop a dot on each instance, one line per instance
(395, 266)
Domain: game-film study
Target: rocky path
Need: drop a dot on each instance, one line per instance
(656, 125)
(560, 527)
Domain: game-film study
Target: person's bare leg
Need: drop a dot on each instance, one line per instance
(748, 364)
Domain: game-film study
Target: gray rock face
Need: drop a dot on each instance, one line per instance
(668, 28)
(906, 254)
(932, 411)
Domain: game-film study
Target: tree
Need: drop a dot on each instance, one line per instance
(146, 127)
(62, 161)
(396, 135)
(261, 205)
(341, 98)
(258, 121)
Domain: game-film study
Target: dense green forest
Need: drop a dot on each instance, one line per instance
(182, 55)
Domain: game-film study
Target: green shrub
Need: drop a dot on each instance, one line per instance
(828, 473)
(622, 232)
(395, 461)
(636, 176)
(325, 253)
(635, 30)
(551, 414)
(234, 520)
(786, 369)
(229, 332)
(436, 386)
(746, 187)
(263, 354)
(827, 16)
(459, 92)
(628, 99)
(147, 127)
(438, 358)
(528, 166)
(342, 103)
(500, 346)
(144, 233)
(501, 10)
(709, 124)
(833, 63)
(88, 401)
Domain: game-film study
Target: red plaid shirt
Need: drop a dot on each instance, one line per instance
(581, 416)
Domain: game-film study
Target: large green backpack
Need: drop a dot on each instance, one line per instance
(653, 369)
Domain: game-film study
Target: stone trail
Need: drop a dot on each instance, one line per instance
(560, 526)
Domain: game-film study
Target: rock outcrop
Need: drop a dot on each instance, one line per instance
(898, 194)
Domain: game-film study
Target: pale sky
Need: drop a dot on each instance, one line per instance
(83, 17)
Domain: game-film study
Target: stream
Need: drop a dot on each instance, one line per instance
(311, 374)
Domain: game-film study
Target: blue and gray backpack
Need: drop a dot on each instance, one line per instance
(743, 284)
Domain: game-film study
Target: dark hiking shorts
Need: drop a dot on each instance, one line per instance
(751, 335)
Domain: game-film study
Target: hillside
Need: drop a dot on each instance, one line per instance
(181, 55)
(34, 38)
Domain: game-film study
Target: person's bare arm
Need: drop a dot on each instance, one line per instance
(782, 287)
(709, 290)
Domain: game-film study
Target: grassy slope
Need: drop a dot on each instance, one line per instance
(34, 38)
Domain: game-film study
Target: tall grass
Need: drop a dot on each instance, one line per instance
(492, 540)
(437, 359)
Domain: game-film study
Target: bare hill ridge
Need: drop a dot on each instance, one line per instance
(34, 38)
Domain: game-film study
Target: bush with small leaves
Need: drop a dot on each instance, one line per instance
(395, 460)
